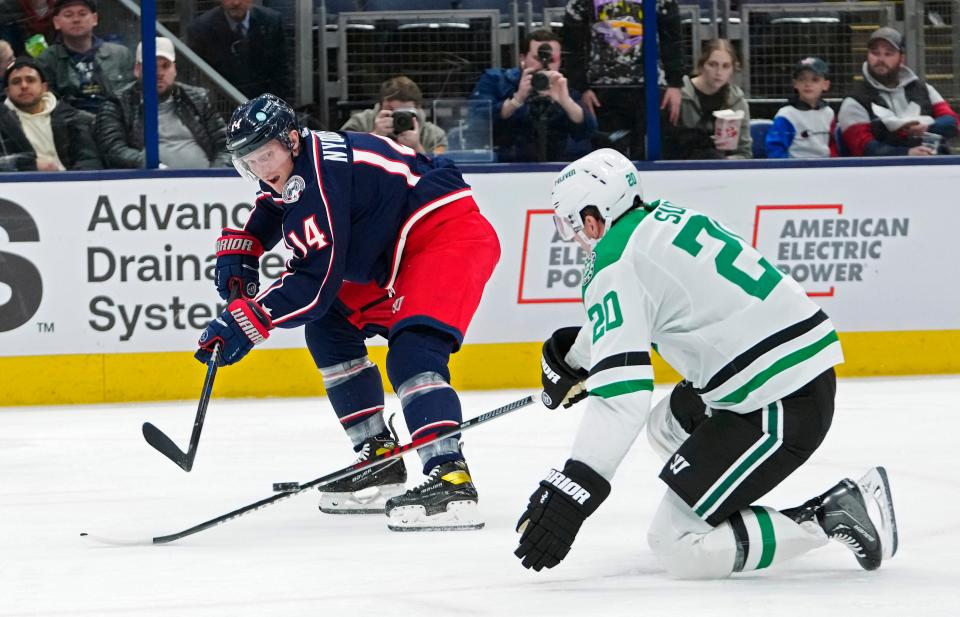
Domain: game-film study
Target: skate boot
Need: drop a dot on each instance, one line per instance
(367, 491)
(445, 501)
(844, 515)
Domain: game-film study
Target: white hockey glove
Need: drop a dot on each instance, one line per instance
(562, 384)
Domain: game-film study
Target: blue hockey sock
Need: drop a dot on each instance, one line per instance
(417, 366)
(355, 390)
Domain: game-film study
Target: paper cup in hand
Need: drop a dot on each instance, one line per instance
(726, 129)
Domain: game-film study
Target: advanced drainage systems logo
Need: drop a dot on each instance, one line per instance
(820, 246)
(21, 288)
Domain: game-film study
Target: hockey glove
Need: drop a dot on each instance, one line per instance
(555, 513)
(238, 260)
(562, 384)
(241, 326)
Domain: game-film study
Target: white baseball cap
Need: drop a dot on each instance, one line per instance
(164, 50)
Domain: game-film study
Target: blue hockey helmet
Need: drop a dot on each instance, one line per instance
(256, 123)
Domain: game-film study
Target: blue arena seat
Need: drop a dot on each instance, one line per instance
(841, 146)
(758, 132)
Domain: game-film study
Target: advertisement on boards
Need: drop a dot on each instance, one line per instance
(127, 265)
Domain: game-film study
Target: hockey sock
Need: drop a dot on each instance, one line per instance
(417, 366)
(765, 537)
(355, 390)
(428, 403)
(752, 539)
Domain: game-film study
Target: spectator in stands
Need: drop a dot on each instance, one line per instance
(604, 42)
(400, 93)
(192, 134)
(6, 59)
(529, 124)
(709, 91)
(15, 151)
(244, 43)
(82, 68)
(805, 127)
(51, 133)
(34, 17)
(892, 108)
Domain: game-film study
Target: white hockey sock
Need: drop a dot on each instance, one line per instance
(752, 539)
(764, 537)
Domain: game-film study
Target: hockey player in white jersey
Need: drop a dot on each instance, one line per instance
(757, 356)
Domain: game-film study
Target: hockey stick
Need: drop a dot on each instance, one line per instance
(330, 477)
(164, 445)
(159, 440)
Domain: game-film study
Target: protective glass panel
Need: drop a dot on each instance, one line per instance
(469, 129)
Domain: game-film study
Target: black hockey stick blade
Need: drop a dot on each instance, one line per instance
(336, 475)
(164, 445)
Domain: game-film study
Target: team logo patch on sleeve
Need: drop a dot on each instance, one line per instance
(293, 189)
(588, 268)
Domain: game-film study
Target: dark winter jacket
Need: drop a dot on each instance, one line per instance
(255, 63)
(515, 139)
(113, 69)
(72, 136)
(120, 126)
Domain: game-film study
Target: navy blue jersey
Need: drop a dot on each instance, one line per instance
(345, 213)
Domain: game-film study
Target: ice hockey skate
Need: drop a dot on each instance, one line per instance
(445, 501)
(858, 514)
(367, 491)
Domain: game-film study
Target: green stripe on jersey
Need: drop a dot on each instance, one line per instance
(736, 474)
(788, 361)
(622, 387)
(767, 537)
(611, 246)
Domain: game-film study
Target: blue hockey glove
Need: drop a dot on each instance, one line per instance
(555, 513)
(241, 326)
(238, 262)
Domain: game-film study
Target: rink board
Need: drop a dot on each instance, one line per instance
(104, 283)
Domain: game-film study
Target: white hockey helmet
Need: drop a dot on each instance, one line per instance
(605, 179)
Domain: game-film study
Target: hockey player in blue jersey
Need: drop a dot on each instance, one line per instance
(384, 242)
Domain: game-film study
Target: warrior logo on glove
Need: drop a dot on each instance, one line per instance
(562, 384)
(241, 326)
(556, 510)
(238, 262)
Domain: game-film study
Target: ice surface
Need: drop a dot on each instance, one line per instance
(64, 470)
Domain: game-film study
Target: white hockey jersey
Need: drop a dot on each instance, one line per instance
(675, 280)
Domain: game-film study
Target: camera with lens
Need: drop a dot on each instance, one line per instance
(403, 120)
(540, 80)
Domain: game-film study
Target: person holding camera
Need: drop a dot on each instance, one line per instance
(537, 116)
(399, 116)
